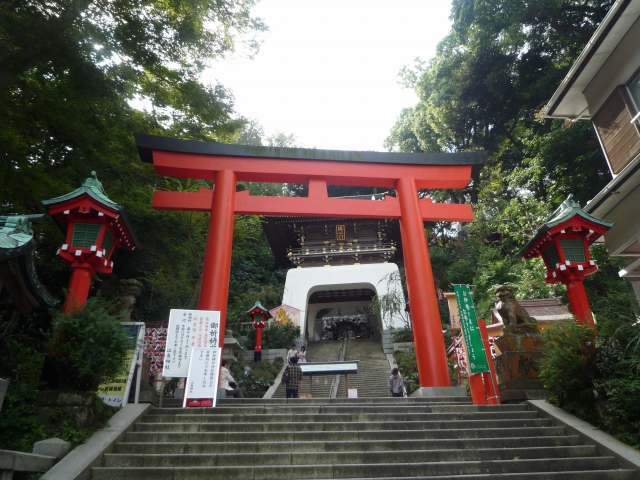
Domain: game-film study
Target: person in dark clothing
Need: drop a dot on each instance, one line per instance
(292, 378)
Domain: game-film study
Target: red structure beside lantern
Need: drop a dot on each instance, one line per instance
(563, 243)
(259, 316)
(95, 229)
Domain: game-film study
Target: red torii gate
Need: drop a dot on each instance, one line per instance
(224, 165)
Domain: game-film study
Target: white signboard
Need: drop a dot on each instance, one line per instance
(202, 381)
(328, 368)
(188, 329)
(352, 393)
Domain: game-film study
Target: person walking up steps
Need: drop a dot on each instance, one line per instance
(396, 384)
(292, 377)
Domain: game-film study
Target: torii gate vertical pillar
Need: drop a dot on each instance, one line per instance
(431, 356)
(216, 272)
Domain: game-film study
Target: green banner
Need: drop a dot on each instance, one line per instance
(470, 330)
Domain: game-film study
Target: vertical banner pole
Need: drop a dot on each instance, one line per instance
(477, 389)
(491, 383)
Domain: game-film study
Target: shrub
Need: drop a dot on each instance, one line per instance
(408, 369)
(403, 335)
(255, 378)
(24, 421)
(87, 346)
(618, 388)
(568, 368)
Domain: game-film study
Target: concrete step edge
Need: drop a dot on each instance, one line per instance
(368, 442)
(540, 461)
(573, 474)
(484, 430)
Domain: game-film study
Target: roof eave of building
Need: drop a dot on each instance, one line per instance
(580, 68)
(605, 200)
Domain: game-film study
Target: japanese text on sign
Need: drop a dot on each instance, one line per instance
(188, 329)
(202, 381)
(470, 330)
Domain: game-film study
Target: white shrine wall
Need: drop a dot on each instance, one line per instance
(301, 283)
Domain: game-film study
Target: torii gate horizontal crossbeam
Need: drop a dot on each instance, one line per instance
(187, 165)
(246, 204)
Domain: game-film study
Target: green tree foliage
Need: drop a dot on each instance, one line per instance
(78, 79)
(483, 90)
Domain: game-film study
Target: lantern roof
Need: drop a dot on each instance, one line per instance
(565, 213)
(567, 210)
(91, 187)
(258, 308)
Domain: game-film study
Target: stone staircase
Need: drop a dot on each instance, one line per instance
(365, 438)
(373, 369)
(318, 386)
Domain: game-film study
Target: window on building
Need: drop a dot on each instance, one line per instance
(619, 136)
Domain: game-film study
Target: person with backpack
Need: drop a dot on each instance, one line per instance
(292, 378)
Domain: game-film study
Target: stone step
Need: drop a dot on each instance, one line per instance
(337, 417)
(367, 438)
(338, 408)
(372, 470)
(340, 446)
(347, 401)
(373, 370)
(324, 457)
(344, 435)
(617, 474)
(336, 426)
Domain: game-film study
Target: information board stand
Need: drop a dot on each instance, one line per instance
(201, 389)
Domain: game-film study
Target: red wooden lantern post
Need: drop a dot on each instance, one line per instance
(95, 229)
(259, 316)
(563, 243)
